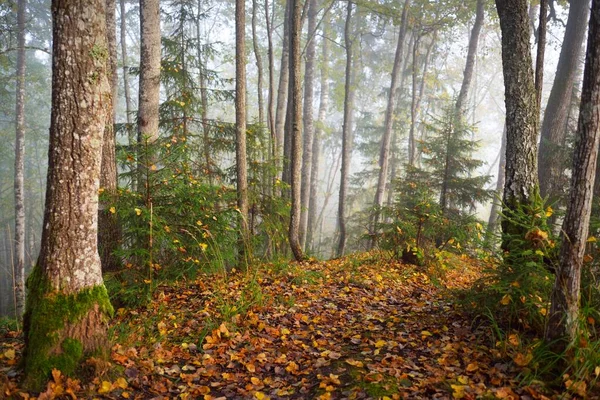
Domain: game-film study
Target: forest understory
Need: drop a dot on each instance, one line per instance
(363, 326)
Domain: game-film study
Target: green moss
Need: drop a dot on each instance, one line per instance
(47, 313)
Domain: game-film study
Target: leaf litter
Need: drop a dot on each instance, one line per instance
(352, 328)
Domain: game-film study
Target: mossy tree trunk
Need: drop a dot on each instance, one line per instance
(521, 184)
(67, 306)
(564, 312)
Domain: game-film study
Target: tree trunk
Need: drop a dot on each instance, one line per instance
(203, 99)
(308, 125)
(384, 152)
(259, 66)
(295, 107)
(108, 225)
(496, 205)
(149, 71)
(564, 312)
(282, 91)
(240, 126)
(319, 133)
(471, 55)
(19, 261)
(521, 112)
(67, 305)
(541, 50)
(551, 154)
(125, 60)
(346, 133)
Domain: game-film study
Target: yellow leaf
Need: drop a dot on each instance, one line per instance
(251, 367)
(10, 354)
(522, 359)
(125, 395)
(112, 210)
(255, 380)
(153, 167)
(592, 239)
(472, 367)
(380, 343)
(105, 387)
(285, 331)
(458, 391)
(549, 211)
(506, 299)
(426, 333)
(261, 396)
(543, 311)
(121, 383)
(162, 328)
(513, 339)
(354, 363)
(138, 211)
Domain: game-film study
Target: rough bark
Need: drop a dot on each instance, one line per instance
(108, 225)
(67, 306)
(541, 51)
(282, 90)
(553, 132)
(19, 185)
(149, 71)
(564, 311)
(471, 55)
(240, 125)
(308, 120)
(319, 133)
(384, 152)
(295, 107)
(521, 111)
(346, 133)
(271, 100)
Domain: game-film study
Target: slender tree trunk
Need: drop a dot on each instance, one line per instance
(564, 312)
(125, 60)
(282, 91)
(203, 99)
(384, 152)
(295, 107)
(551, 154)
(319, 134)
(259, 65)
(67, 305)
(19, 267)
(309, 129)
(149, 71)
(496, 205)
(471, 55)
(108, 225)
(521, 113)
(240, 125)
(346, 133)
(541, 50)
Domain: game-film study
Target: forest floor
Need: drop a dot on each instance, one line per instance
(353, 328)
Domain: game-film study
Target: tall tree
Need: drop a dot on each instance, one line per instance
(282, 90)
(294, 125)
(125, 61)
(495, 211)
(319, 136)
(149, 70)
(19, 271)
(108, 225)
(308, 120)
(346, 132)
(564, 311)
(240, 121)
(541, 51)
(384, 152)
(521, 183)
(471, 55)
(259, 65)
(67, 305)
(553, 132)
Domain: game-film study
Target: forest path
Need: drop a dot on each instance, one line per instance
(353, 328)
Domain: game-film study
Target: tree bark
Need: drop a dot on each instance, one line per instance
(282, 91)
(541, 51)
(564, 311)
(19, 185)
(346, 133)
(149, 71)
(108, 225)
(259, 66)
(125, 60)
(384, 152)
(496, 205)
(471, 55)
(295, 107)
(240, 126)
(308, 121)
(521, 112)
(67, 305)
(319, 134)
(203, 99)
(551, 154)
